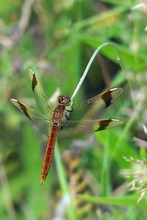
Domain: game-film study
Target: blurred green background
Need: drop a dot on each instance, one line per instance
(56, 39)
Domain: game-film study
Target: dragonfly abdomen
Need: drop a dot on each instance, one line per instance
(49, 153)
(56, 121)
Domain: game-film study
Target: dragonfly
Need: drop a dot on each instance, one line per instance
(58, 119)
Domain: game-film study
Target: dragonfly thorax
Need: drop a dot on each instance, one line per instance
(58, 115)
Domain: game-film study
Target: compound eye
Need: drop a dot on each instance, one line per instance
(67, 100)
(60, 99)
(64, 100)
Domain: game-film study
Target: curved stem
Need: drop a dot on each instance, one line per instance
(90, 63)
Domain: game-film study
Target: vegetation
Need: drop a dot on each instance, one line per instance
(92, 175)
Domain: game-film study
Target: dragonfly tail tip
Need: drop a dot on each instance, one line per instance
(42, 181)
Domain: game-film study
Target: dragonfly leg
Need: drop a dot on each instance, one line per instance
(68, 113)
(61, 127)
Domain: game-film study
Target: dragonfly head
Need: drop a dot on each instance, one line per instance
(64, 100)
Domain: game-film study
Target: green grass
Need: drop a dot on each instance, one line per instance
(57, 44)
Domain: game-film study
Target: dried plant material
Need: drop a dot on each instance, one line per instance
(138, 174)
(141, 143)
(145, 129)
(142, 6)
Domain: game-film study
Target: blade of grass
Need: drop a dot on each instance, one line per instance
(125, 200)
(63, 184)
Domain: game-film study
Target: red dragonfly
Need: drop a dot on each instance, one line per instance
(58, 118)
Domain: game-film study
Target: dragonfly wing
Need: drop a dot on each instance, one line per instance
(41, 122)
(99, 125)
(40, 96)
(87, 126)
(101, 101)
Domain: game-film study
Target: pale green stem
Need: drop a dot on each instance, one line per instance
(90, 63)
(65, 188)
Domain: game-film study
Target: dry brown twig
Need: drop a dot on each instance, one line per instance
(8, 42)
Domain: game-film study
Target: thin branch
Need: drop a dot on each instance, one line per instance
(26, 13)
(9, 41)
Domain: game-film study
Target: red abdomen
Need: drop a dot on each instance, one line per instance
(49, 153)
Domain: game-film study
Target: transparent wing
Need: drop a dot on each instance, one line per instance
(72, 127)
(87, 126)
(99, 102)
(41, 122)
(41, 99)
(94, 105)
